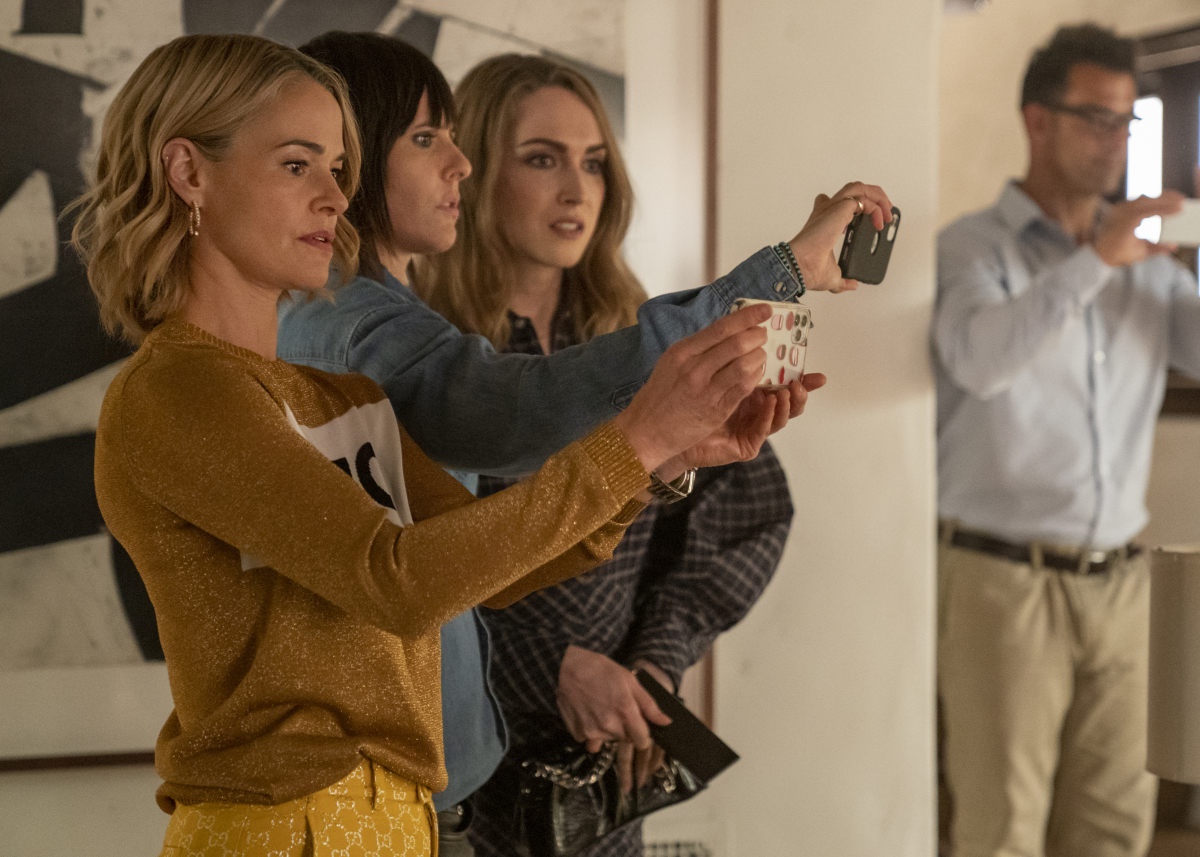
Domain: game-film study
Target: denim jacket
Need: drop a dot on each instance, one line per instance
(473, 409)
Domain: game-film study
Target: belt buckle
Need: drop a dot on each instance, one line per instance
(1090, 558)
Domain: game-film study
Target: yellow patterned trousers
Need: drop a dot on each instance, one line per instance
(370, 812)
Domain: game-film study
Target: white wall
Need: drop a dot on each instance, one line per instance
(983, 59)
(827, 689)
(664, 142)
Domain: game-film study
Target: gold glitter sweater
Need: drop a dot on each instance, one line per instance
(269, 509)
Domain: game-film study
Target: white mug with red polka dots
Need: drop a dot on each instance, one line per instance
(787, 340)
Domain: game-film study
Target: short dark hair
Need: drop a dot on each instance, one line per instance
(1048, 71)
(386, 78)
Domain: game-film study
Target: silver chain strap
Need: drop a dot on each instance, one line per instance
(561, 775)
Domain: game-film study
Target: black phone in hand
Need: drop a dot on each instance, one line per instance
(865, 252)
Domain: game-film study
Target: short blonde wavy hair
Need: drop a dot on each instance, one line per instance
(472, 283)
(132, 227)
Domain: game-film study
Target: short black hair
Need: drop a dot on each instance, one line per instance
(386, 78)
(1050, 67)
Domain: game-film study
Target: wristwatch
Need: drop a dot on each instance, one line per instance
(676, 489)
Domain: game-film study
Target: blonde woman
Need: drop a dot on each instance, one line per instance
(537, 269)
(475, 283)
(300, 550)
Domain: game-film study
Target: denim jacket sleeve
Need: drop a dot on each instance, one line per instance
(473, 409)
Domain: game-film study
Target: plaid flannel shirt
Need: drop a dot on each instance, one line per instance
(684, 573)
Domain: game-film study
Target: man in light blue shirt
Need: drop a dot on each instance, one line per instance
(1053, 331)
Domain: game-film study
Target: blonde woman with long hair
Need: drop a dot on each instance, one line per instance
(300, 550)
(538, 268)
(475, 281)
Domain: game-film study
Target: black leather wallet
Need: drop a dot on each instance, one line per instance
(686, 739)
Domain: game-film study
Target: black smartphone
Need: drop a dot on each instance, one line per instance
(686, 739)
(865, 252)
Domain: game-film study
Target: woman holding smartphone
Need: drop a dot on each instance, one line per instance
(300, 551)
(538, 268)
(408, 206)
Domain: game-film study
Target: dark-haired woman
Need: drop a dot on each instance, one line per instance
(473, 409)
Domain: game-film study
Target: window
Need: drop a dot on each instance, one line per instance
(1144, 173)
(1164, 150)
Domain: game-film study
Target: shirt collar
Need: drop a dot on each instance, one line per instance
(1018, 210)
(523, 339)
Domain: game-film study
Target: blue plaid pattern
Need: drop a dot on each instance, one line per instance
(684, 573)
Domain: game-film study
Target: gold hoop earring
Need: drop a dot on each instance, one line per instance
(194, 219)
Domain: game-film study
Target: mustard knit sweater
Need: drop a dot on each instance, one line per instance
(269, 509)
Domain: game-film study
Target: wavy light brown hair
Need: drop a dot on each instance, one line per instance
(132, 229)
(471, 284)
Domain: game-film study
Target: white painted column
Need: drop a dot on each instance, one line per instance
(827, 688)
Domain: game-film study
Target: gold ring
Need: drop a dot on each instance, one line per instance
(860, 204)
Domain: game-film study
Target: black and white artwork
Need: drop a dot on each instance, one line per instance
(80, 667)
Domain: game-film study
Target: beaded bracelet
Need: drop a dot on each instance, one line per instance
(784, 251)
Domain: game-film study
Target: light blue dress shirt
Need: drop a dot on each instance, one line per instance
(474, 410)
(1051, 368)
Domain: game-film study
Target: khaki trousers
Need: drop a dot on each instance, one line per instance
(1042, 676)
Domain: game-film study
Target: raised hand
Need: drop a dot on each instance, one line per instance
(815, 244)
(1115, 243)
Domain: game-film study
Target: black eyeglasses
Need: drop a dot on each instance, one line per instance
(1098, 119)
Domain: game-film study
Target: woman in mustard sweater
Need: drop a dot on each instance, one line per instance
(301, 552)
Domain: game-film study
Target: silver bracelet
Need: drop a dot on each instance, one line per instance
(676, 489)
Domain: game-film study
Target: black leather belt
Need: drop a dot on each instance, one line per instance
(1096, 562)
